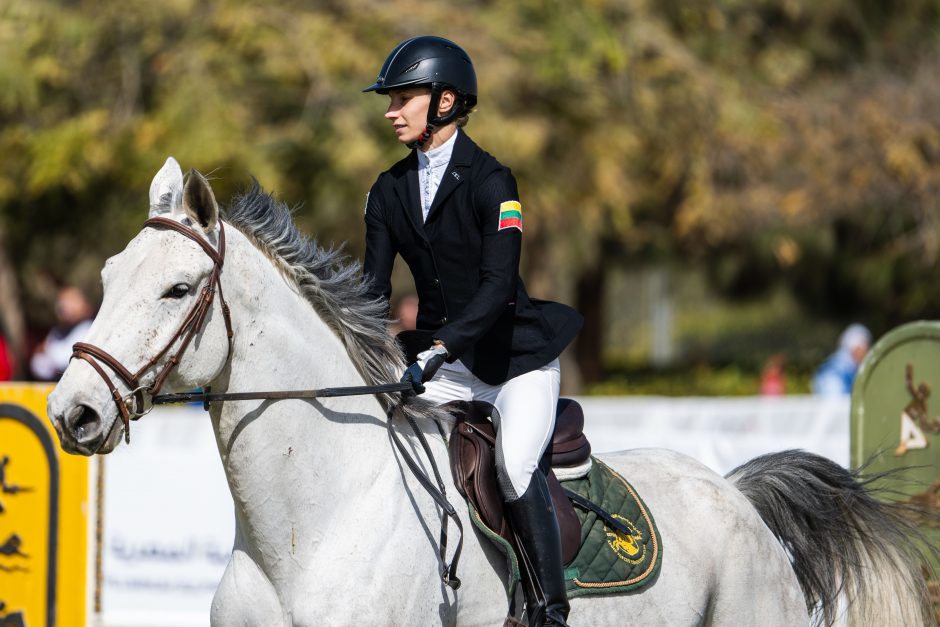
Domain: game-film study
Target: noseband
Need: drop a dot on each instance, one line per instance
(186, 332)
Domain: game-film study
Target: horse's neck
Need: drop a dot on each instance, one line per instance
(293, 459)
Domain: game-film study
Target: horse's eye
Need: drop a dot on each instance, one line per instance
(177, 291)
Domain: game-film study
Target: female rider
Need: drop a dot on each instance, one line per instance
(452, 212)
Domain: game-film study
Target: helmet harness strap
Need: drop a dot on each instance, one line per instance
(423, 137)
(435, 121)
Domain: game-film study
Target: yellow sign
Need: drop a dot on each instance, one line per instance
(44, 511)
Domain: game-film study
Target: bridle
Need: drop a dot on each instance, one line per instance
(191, 325)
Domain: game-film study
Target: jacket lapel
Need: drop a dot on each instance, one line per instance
(407, 189)
(456, 172)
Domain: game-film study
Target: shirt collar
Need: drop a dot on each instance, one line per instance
(438, 156)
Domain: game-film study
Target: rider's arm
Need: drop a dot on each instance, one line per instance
(380, 249)
(499, 266)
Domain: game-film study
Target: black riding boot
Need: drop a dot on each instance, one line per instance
(533, 518)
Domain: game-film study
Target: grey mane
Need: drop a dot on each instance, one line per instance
(333, 284)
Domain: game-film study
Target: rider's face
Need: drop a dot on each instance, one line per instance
(408, 112)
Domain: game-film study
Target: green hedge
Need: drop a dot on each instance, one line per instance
(699, 381)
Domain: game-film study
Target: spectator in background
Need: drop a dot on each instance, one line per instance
(74, 315)
(836, 375)
(6, 356)
(772, 379)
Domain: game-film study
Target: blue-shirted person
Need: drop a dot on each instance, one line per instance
(837, 374)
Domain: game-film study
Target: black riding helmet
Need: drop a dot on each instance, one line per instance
(435, 62)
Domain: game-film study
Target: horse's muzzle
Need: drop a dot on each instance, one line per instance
(81, 430)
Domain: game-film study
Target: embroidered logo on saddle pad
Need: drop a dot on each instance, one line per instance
(628, 547)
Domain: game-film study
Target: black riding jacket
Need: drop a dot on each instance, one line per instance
(465, 263)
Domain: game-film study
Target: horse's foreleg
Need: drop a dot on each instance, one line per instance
(245, 596)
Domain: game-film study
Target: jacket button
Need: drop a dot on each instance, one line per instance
(436, 283)
(443, 319)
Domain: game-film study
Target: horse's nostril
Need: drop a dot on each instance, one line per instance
(83, 421)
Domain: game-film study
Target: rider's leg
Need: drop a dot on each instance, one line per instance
(452, 382)
(533, 518)
(526, 406)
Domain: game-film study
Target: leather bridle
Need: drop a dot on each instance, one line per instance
(191, 325)
(188, 330)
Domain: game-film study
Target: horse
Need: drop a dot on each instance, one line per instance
(333, 529)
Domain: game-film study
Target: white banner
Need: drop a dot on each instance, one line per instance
(169, 526)
(168, 522)
(720, 432)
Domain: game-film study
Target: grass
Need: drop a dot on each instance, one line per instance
(698, 381)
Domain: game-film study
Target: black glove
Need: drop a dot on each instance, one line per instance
(421, 371)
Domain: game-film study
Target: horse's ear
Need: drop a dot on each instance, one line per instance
(166, 188)
(199, 201)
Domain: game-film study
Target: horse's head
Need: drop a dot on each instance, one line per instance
(149, 317)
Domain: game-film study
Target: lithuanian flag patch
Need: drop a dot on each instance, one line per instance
(510, 215)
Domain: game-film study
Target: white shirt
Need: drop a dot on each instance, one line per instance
(431, 168)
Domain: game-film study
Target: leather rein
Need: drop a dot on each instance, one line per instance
(191, 325)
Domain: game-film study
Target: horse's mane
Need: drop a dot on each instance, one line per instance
(333, 284)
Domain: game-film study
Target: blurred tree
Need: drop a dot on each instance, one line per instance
(773, 142)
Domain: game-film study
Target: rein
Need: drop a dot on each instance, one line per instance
(438, 493)
(448, 573)
(187, 331)
(208, 396)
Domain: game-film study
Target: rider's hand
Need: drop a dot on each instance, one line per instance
(421, 371)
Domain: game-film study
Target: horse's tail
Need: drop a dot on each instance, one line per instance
(840, 539)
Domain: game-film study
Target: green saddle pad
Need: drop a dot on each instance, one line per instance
(608, 561)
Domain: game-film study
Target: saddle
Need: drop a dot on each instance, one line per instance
(473, 465)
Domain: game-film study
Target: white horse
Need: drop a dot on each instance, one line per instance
(332, 528)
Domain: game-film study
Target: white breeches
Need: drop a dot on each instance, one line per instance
(526, 406)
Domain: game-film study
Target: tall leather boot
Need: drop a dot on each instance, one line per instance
(533, 517)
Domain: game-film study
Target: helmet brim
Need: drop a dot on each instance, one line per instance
(380, 87)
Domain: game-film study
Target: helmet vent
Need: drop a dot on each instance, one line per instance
(411, 68)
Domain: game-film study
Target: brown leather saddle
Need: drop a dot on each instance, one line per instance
(473, 464)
